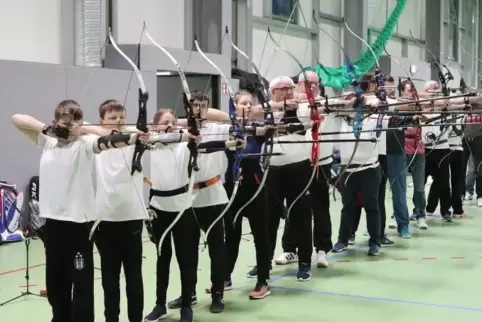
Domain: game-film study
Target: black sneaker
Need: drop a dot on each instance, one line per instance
(374, 250)
(339, 247)
(447, 217)
(158, 313)
(351, 240)
(253, 273)
(304, 273)
(186, 314)
(217, 304)
(177, 303)
(386, 242)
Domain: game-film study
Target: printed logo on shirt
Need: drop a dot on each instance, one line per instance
(79, 262)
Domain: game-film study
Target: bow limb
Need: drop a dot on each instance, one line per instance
(193, 129)
(314, 116)
(268, 120)
(141, 123)
(237, 132)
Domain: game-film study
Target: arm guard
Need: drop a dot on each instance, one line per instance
(115, 140)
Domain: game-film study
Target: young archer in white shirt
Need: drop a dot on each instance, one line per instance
(68, 203)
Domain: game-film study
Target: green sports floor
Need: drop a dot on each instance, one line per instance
(433, 277)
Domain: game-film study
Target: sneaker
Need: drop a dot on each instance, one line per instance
(321, 259)
(43, 293)
(339, 247)
(374, 250)
(351, 240)
(468, 196)
(158, 313)
(260, 292)
(421, 224)
(479, 202)
(447, 217)
(228, 286)
(217, 304)
(304, 273)
(393, 223)
(186, 314)
(404, 232)
(253, 273)
(413, 217)
(429, 214)
(386, 242)
(286, 258)
(177, 303)
(458, 216)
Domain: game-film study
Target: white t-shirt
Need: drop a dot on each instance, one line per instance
(66, 179)
(119, 196)
(292, 152)
(330, 123)
(169, 171)
(442, 140)
(366, 153)
(212, 165)
(382, 143)
(455, 140)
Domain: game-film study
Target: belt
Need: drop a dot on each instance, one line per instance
(207, 183)
(366, 165)
(184, 189)
(432, 144)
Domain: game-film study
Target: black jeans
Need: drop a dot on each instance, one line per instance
(120, 245)
(216, 246)
(382, 159)
(186, 241)
(287, 182)
(367, 182)
(437, 163)
(258, 221)
(69, 270)
(456, 164)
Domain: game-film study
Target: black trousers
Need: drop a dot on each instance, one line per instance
(258, 222)
(320, 205)
(437, 164)
(382, 159)
(216, 246)
(185, 234)
(287, 182)
(368, 183)
(474, 146)
(456, 164)
(120, 245)
(69, 270)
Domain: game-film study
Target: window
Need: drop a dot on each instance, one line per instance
(452, 30)
(283, 9)
(207, 24)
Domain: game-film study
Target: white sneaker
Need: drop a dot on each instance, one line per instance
(286, 258)
(421, 224)
(468, 196)
(392, 224)
(479, 202)
(429, 214)
(322, 260)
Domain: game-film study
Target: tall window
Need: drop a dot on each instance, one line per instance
(452, 29)
(282, 9)
(207, 24)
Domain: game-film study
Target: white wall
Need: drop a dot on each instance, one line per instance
(276, 62)
(31, 30)
(272, 62)
(165, 21)
(412, 19)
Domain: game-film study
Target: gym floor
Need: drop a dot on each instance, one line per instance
(433, 277)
